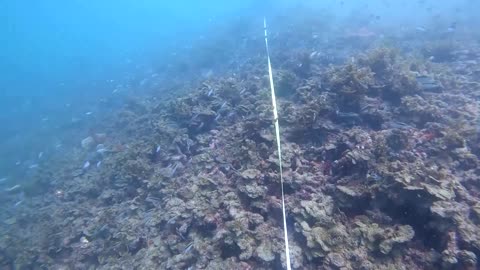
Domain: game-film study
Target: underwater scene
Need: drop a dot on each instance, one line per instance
(240, 134)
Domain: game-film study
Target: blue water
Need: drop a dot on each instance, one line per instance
(59, 58)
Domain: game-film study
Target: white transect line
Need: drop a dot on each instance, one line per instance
(277, 134)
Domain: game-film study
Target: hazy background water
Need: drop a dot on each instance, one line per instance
(55, 52)
(58, 58)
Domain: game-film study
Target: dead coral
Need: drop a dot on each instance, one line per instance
(381, 62)
(419, 110)
(393, 77)
(351, 83)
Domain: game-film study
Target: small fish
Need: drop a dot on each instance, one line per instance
(84, 240)
(88, 113)
(40, 155)
(18, 163)
(188, 248)
(33, 166)
(217, 117)
(58, 145)
(12, 188)
(223, 105)
(99, 164)
(347, 115)
(158, 149)
(375, 177)
(86, 165)
(452, 27)
(18, 203)
(210, 92)
(421, 29)
(399, 125)
(101, 150)
(3, 179)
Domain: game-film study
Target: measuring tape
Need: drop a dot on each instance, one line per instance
(277, 134)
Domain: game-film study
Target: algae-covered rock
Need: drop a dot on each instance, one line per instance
(321, 240)
(351, 83)
(419, 109)
(397, 140)
(468, 258)
(254, 190)
(476, 210)
(320, 211)
(336, 260)
(286, 83)
(381, 61)
(296, 256)
(247, 246)
(264, 251)
(446, 209)
(442, 193)
(251, 174)
(398, 235)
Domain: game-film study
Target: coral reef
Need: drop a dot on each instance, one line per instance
(380, 156)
